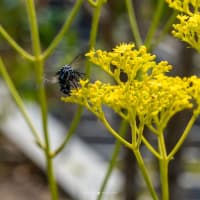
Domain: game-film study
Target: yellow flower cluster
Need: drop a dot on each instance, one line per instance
(194, 91)
(153, 97)
(188, 7)
(188, 29)
(122, 60)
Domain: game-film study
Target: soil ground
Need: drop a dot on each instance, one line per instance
(21, 179)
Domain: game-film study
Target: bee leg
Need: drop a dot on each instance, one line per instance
(74, 83)
(65, 91)
(65, 88)
(79, 74)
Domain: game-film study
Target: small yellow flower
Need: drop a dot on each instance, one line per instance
(155, 97)
(123, 48)
(188, 7)
(194, 90)
(124, 58)
(188, 29)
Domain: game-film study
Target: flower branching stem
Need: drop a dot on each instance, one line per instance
(114, 133)
(183, 136)
(150, 147)
(154, 24)
(39, 67)
(122, 131)
(92, 42)
(63, 30)
(19, 103)
(14, 44)
(133, 23)
(151, 102)
(163, 167)
(148, 101)
(145, 173)
(70, 132)
(165, 29)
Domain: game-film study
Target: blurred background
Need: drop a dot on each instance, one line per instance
(22, 174)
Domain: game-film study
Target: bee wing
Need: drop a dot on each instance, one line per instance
(79, 56)
(53, 79)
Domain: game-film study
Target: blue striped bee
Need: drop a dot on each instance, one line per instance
(68, 78)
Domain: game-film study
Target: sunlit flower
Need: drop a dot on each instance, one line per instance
(124, 58)
(188, 7)
(154, 99)
(188, 29)
(194, 91)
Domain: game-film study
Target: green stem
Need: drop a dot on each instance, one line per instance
(39, 67)
(164, 165)
(93, 31)
(164, 162)
(19, 103)
(75, 122)
(71, 131)
(34, 28)
(14, 44)
(133, 23)
(133, 125)
(150, 147)
(183, 136)
(63, 30)
(92, 3)
(94, 25)
(115, 134)
(112, 163)
(145, 174)
(155, 22)
(152, 129)
(95, 22)
(166, 28)
(140, 134)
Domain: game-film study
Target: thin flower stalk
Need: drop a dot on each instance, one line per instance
(151, 101)
(39, 67)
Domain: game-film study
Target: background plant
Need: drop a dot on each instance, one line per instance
(150, 101)
(153, 89)
(38, 58)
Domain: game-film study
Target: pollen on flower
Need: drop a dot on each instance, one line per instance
(154, 95)
(83, 82)
(123, 48)
(188, 30)
(185, 6)
(126, 59)
(194, 89)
